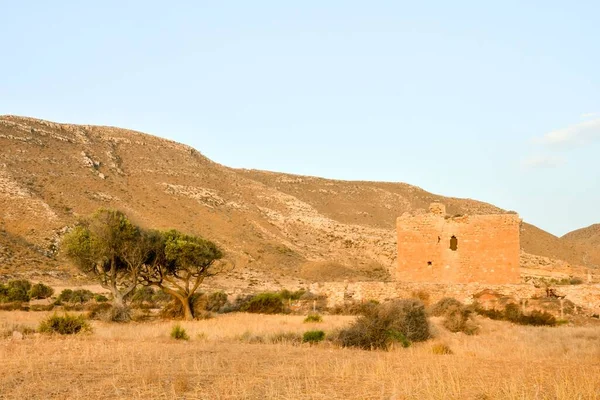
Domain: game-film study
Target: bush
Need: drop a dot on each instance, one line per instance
(285, 294)
(179, 333)
(15, 290)
(100, 298)
(313, 318)
(459, 320)
(216, 301)
(440, 308)
(512, 312)
(67, 324)
(264, 303)
(40, 291)
(398, 321)
(75, 296)
(313, 336)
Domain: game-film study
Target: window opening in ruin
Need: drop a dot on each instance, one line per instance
(453, 243)
(439, 238)
(429, 263)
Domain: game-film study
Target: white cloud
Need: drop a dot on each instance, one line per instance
(578, 134)
(542, 161)
(590, 115)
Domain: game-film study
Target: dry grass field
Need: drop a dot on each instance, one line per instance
(222, 360)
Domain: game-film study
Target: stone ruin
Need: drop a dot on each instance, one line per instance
(436, 247)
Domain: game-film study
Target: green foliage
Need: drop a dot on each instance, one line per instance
(398, 321)
(313, 336)
(313, 318)
(100, 298)
(40, 291)
(188, 253)
(15, 291)
(179, 333)
(264, 303)
(512, 312)
(78, 296)
(67, 324)
(457, 317)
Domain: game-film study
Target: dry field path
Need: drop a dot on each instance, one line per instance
(223, 360)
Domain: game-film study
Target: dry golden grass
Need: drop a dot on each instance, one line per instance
(140, 360)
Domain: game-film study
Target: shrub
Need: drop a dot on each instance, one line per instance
(441, 349)
(75, 296)
(398, 321)
(440, 308)
(15, 290)
(313, 336)
(100, 298)
(459, 320)
(264, 303)
(67, 324)
(179, 333)
(313, 318)
(216, 301)
(40, 291)
(512, 312)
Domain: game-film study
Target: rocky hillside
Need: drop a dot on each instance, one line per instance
(275, 223)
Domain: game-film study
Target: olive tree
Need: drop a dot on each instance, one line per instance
(107, 247)
(178, 263)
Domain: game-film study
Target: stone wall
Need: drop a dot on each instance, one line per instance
(435, 247)
(586, 296)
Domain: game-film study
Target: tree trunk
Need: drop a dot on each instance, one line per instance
(118, 301)
(188, 315)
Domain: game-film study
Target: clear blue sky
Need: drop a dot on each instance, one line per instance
(497, 102)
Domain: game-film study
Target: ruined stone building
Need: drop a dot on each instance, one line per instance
(435, 247)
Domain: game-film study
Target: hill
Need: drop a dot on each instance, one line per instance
(274, 223)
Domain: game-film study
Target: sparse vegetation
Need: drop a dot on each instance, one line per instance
(312, 318)
(179, 333)
(67, 324)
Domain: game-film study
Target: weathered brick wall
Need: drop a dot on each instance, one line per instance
(586, 296)
(487, 248)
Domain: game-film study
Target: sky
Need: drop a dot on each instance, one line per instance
(495, 101)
